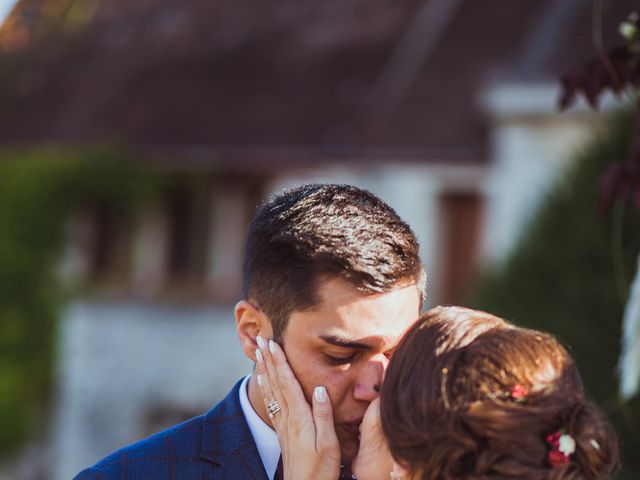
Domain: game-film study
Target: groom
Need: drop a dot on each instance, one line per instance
(333, 274)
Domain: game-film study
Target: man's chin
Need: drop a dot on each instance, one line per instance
(348, 436)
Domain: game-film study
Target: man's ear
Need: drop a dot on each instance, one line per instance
(251, 322)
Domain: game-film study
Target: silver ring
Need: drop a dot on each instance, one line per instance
(273, 408)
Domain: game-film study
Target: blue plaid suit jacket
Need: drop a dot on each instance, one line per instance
(214, 446)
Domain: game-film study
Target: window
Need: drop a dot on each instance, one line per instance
(189, 212)
(460, 215)
(109, 257)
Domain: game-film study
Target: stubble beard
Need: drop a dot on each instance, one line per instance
(349, 443)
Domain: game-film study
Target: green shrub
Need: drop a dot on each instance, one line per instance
(38, 191)
(569, 275)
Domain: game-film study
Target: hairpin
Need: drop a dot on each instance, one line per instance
(443, 388)
(518, 393)
(562, 447)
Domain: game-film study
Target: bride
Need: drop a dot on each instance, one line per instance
(466, 396)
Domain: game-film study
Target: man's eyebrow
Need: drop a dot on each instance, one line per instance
(344, 342)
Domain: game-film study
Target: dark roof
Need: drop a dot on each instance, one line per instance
(367, 77)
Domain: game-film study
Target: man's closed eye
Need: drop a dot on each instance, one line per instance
(333, 360)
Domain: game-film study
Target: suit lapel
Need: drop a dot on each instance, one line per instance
(227, 441)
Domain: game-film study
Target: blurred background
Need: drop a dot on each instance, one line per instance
(138, 137)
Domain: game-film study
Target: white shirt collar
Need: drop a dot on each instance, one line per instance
(265, 437)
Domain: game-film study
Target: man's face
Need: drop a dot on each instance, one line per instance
(344, 344)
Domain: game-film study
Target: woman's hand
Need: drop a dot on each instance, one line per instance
(373, 462)
(308, 440)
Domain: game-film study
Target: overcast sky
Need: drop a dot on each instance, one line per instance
(5, 7)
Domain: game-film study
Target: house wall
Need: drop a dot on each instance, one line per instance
(129, 369)
(532, 145)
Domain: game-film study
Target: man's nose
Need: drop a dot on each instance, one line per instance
(367, 384)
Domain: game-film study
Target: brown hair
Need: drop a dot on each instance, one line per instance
(447, 413)
(316, 232)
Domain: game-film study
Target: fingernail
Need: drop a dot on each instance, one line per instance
(259, 378)
(272, 346)
(320, 393)
(260, 341)
(259, 355)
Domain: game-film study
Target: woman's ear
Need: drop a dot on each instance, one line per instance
(399, 472)
(251, 322)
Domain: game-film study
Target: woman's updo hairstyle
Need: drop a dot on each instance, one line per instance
(469, 396)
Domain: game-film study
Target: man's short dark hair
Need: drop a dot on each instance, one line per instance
(309, 234)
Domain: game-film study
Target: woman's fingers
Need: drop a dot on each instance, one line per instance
(269, 396)
(288, 384)
(326, 438)
(276, 384)
(307, 436)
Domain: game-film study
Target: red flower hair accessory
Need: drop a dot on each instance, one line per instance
(562, 447)
(519, 393)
